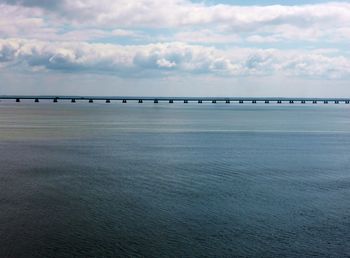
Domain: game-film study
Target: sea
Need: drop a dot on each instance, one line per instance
(174, 180)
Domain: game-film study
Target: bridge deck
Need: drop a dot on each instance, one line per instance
(177, 99)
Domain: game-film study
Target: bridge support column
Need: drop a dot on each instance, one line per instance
(171, 101)
(336, 102)
(241, 102)
(291, 102)
(185, 101)
(325, 102)
(347, 101)
(303, 102)
(91, 101)
(227, 101)
(199, 101)
(279, 102)
(73, 101)
(36, 100)
(314, 102)
(254, 101)
(214, 102)
(108, 101)
(267, 102)
(124, 100)
(155, 101)
(18, 100)
(140, 101)
(55, 100)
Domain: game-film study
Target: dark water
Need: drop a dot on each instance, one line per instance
(97, 180)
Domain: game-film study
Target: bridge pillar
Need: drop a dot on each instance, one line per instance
(185, 101)
(91, 101)
(55, 100)
(227, 101)
(291, 102)
(267, 101)
(155, 101)
(18, 100)
(199, 101)
(314, 102)
(325, 102)
(73, 101)
(171, 101)
(108, 101)
(214, 102)
(279, 101)
(347, 101)
(254, 101)
(124, 100)
(241, 102)
(140, 101)
(36, 100)
(336, 102)
(303, 102)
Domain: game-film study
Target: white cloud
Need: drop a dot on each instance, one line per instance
(15, 21)
(160, 59)
(167, 13)
(31, 23)
(165, 63)
(206, 36)
(127, 33)
(188, 21)
(175, 39)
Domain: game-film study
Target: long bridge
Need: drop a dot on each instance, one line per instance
(139, 99)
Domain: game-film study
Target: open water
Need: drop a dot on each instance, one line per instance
(174, 180)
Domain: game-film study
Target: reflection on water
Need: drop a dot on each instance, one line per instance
(174, 180)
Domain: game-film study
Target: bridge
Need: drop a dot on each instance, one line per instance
(141, 99)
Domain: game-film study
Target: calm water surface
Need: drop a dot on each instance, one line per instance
(174, 180)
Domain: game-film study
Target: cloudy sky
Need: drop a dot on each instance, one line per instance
(175, 47)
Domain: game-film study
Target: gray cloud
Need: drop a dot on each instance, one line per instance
(46, 4)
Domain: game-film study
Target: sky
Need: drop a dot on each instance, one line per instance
(175, 47)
